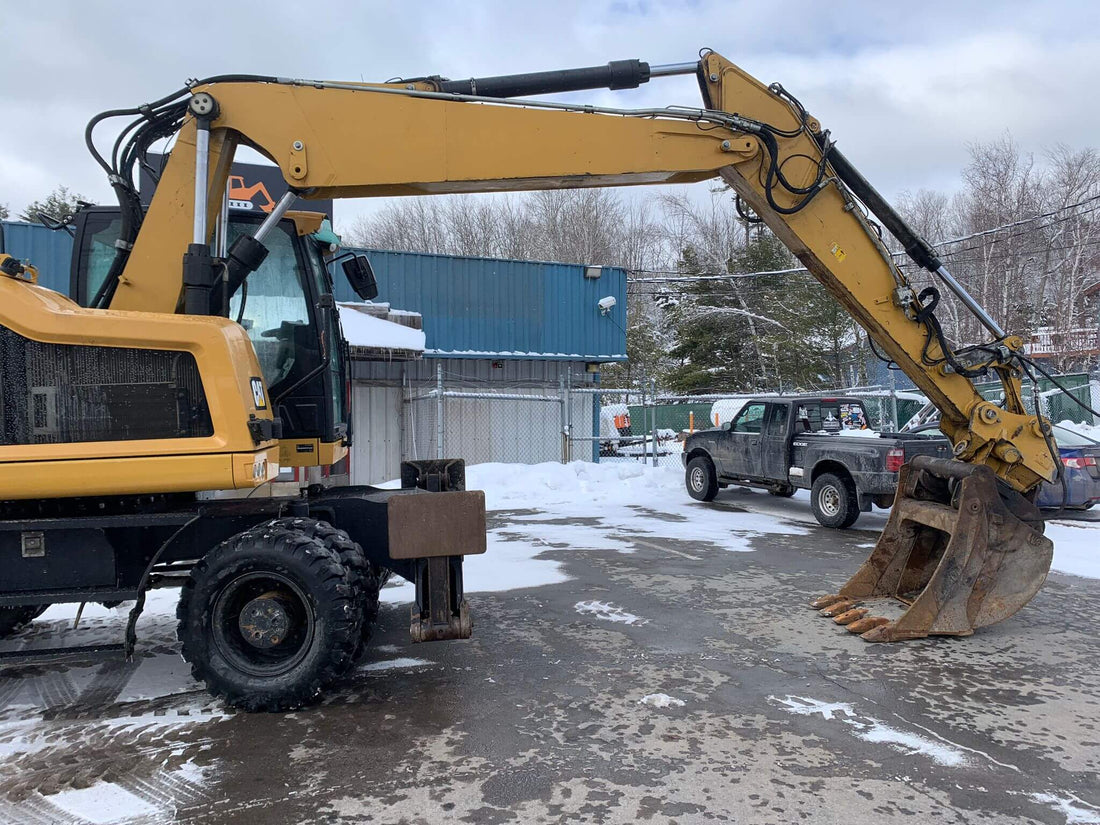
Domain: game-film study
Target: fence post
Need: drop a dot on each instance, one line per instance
(894, 400)
(653, 398)
(596, 422)
(569, 414)
(439, 410)
(564, 421)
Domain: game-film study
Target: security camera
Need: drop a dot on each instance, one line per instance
(607, 304)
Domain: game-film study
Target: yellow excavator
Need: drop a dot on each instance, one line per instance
(145, 420)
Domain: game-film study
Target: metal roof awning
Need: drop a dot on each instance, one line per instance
(374, 332)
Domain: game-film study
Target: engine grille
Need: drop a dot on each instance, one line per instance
(60, 393)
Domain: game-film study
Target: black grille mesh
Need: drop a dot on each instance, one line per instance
(59, 393)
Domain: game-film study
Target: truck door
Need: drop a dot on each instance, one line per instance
(744, 441)
(774, 443)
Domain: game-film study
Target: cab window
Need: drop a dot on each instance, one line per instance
(750, 419)
(333, 335)
(97, 253)
(777, 420)
(276, 314)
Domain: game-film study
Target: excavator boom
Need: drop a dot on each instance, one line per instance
(432, 136)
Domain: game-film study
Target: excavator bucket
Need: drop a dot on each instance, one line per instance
(958, 553)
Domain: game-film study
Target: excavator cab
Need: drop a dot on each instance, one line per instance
(287, 308)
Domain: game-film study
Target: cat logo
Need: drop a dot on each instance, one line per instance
(242, 196)
(258, 394)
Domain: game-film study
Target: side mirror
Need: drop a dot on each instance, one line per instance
(358, 271)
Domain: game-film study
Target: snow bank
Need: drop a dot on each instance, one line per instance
(1076, 547)
(661, 700)
(1087, 430)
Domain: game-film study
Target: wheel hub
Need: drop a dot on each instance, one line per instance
(264, 621)
(829, 501)
(697, 479)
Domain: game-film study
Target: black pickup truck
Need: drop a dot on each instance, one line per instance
(813, 442)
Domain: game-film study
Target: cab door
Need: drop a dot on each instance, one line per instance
(743, 441)
(774, 442)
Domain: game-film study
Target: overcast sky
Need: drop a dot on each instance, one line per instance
(904, 87)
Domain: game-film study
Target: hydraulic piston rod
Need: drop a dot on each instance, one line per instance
(618, 74)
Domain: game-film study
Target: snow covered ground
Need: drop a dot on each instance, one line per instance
(607, 506)
(153, 705)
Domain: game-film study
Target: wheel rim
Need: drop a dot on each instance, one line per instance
(829, 500)
(698, 479)
(262, 623)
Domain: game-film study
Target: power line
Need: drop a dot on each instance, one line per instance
(674, 276)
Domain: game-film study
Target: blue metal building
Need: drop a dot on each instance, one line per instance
(494, 328)
(487, 307)
(50, 251)
(472, 307)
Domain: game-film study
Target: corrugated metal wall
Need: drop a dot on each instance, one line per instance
(51, 252)
(504, 308)
(377, 433)
(395, 418)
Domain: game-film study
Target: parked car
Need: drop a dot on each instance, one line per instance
(811, 442)
(1081, 464)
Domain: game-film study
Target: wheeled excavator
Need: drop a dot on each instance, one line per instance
(146, 419)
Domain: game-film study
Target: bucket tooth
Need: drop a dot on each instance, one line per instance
(825, 601)
(861, 626)
(849, 616)
(838, 608)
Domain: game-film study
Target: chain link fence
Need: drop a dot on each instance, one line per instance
(581, 421)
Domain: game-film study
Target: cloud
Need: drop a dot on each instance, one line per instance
(904, 87)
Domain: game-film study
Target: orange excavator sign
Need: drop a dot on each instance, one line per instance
(242, 196)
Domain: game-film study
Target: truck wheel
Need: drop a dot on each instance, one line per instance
(785, 491)
(701, 480)
(834, 501)
(268, 618)
(365, 577)
(13, 618)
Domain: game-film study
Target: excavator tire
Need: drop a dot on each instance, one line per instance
(269, 618)
(366, 578)
(13, 618)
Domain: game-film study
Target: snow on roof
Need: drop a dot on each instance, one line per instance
(364, 330)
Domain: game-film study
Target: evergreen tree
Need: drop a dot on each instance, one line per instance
(58, 205)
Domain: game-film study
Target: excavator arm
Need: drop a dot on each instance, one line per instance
(430, 136)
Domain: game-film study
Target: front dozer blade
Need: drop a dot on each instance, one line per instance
(958, 553)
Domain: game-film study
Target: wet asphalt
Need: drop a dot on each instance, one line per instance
(678, 683)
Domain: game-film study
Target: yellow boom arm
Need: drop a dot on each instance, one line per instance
(361, 140)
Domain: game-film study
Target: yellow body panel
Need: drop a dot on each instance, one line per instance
(226, 363)
(310, 452)
(142, 475)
